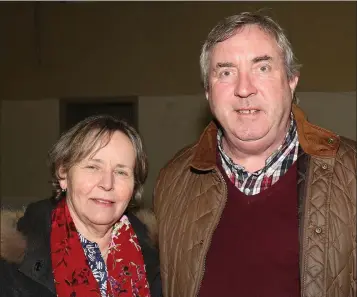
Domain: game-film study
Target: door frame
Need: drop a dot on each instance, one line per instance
(64, 102)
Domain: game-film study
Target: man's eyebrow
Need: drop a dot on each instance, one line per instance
(255, 60)
(225, 64)
(262, 58)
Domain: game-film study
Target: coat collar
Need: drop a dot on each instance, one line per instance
(314, 141)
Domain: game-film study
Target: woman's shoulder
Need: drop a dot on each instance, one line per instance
(14, 283)
(144, 224)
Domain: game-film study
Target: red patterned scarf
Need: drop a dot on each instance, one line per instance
(72, 274)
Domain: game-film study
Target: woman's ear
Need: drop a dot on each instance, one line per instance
(62, 173)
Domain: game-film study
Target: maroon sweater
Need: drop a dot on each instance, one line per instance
(255, 248)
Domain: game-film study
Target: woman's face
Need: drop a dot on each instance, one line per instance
(100, 187)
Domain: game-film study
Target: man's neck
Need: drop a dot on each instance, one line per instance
(252, 155)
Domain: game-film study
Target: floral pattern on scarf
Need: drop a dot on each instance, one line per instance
(75, 275)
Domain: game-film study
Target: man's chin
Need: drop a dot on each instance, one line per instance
(254, 143)
(251, 136)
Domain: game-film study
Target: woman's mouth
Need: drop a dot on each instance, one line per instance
(103, 202)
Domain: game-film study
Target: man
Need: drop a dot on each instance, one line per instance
(264, 204)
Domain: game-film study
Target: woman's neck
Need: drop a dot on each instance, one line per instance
(99, 234)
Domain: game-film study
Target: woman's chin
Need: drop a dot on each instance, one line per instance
(103, 218)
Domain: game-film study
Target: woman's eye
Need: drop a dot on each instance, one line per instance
(121, 172)
(91, 167)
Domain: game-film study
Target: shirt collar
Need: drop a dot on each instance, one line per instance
(290, 136)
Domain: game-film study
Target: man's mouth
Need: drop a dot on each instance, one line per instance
(247, 111)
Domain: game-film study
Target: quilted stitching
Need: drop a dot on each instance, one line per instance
(313, 277)
(330, 255)
(342, 274)
(329, 268)
(186, 220)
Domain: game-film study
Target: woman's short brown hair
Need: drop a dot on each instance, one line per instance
(82, 140)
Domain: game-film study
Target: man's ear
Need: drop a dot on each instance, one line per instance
(293, 84)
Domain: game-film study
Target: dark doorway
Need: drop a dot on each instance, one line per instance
(73, 111)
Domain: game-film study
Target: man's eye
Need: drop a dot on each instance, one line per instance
(264, 68)
(225, 73)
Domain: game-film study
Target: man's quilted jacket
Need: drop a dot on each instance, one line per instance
(191, 193)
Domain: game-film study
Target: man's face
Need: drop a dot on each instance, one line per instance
(249, 92)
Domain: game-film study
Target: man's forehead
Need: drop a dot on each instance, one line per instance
(249, 45)
(248, 38)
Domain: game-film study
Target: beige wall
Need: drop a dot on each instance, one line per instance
(168, 124)
(152, 48)
(29, 128)
(333, 111)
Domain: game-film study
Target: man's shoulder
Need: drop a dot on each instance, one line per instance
(181, 159)
(347, 143)
(177, 167)
(347, 153)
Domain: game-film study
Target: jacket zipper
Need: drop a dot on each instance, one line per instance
(213, 229)
(304, 237)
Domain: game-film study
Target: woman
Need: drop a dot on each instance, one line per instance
(88, 241)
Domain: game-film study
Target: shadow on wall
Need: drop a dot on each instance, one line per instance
(168, 124)
(204, 118)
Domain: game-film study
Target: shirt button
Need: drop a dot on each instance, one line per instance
(318, 230)
(246, 191)
(324, 166)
